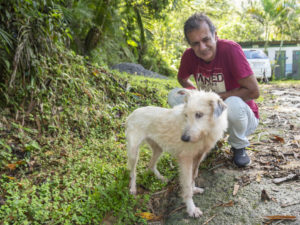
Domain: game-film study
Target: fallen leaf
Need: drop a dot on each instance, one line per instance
(48, 153)
(236, 188)
(95, 72)
(20, 162)
(227, 204)
(278, 139)
(227, 151)
(220, 144)
(264, 195)
(258, 178)
(149, 216)
(281, 217)
(11, 166)
(88, 93)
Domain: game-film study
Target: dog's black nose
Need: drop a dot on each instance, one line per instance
(185, 138)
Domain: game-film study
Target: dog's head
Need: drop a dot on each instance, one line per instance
(202, 112)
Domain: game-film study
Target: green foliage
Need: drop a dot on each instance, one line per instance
(103, 199)
(64, 160)
(91, 22)
(29, 30)
(5, 49)
(277, 17)
(240, 29)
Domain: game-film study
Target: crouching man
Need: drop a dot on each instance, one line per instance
(221, 66)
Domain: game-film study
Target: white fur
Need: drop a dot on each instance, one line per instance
(163, 129)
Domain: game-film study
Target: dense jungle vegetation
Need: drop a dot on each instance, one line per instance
(62, 110)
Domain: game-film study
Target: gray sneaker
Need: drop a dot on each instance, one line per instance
(240, 157)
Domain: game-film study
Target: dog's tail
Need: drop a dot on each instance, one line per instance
(134, 139)
(133, 144)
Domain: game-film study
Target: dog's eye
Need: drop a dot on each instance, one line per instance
(198, 115)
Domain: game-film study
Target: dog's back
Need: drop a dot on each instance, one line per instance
(201, 121)
(155, 123)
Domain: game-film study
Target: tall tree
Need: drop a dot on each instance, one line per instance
(89, 21)
(141, 14)
(275, 16)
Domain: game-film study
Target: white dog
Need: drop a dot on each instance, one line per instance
(188, 131)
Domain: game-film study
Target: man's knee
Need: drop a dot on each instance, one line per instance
(235, 107)
(232, 101)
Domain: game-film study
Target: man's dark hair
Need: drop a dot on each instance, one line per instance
(194, 22)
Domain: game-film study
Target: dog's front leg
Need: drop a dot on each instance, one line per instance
(186, 180)
(196, 163)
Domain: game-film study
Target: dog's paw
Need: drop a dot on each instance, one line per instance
(159, 176)
(195, 212)
(132, 190)
(197, 190)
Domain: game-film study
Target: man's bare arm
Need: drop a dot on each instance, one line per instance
(249, 89)
(185, 83)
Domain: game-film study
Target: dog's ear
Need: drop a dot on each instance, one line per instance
(218, 107)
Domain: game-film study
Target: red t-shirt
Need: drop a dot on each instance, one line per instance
(221, 74)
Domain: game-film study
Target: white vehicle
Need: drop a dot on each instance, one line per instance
(259, 63)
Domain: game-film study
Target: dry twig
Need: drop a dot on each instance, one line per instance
(209, 219)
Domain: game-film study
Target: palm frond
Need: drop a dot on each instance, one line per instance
(5, 38)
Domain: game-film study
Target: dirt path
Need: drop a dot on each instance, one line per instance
(269, 187)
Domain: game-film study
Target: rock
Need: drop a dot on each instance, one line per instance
(136, 69)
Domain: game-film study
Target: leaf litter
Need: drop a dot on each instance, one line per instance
(274, 152)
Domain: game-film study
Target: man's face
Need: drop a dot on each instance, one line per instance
(203, 42)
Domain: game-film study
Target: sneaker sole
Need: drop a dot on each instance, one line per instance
(248, 164)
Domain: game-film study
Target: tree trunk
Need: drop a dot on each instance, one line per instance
(143, 46)
(91, 40)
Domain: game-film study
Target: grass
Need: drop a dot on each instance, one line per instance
(285, 82)
(65, 162)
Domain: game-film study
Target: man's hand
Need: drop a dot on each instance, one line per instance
(249, 89)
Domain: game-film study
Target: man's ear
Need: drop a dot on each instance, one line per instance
(219, 108)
